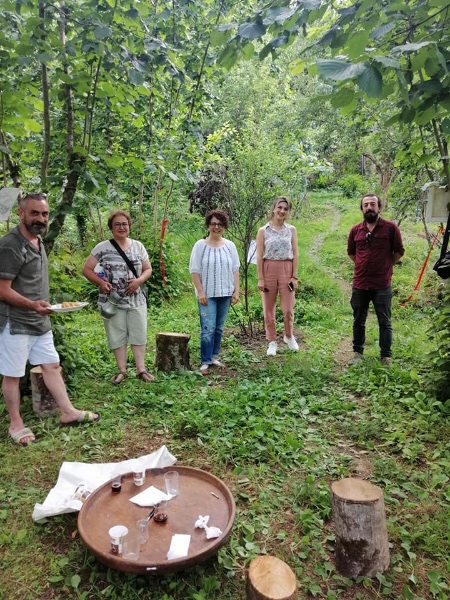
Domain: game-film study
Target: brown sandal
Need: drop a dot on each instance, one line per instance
(118, 377)
(145, 376)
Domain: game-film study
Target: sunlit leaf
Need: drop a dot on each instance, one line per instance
(370, 81)
(410, 47)
(252, 31)
(102, 32)
(32, 125)
(339, 70)
(382, 30)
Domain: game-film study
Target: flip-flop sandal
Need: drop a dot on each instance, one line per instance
(118, 377)
(145, 376)
(20, 435)
(84, 418)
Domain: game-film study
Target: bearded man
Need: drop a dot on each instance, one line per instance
(25, 329)
(375, 246)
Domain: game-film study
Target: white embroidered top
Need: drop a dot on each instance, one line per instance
(215, 267)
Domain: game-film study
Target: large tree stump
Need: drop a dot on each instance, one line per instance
(269, 578)
(362, 546)
(172, 352)
(44, 405)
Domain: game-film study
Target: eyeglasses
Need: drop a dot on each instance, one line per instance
(121, 225)
(368, 237)
(216, 225)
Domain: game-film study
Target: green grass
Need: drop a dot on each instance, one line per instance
(277, 432)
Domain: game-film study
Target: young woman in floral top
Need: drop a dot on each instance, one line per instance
(277, 264)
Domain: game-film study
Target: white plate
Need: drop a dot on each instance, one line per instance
(65, 309)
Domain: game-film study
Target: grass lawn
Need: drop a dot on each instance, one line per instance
(277, 431)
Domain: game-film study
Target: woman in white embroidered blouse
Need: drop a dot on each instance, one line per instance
(214, 268)
(277, 264)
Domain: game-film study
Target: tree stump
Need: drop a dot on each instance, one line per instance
(362, 546)
(269, 578)
(172, 352)
(44, 405)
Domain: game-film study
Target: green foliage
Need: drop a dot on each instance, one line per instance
(439, 382)
(353, 186)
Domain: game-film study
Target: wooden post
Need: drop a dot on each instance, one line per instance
(172, 352)
(269, 578)
(44, 404)
(362, 546)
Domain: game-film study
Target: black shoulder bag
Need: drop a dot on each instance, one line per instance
(442, 266)
(130, 265)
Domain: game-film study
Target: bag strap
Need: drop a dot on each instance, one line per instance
(445, 240)
(124, 256)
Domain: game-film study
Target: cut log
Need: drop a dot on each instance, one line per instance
(269, 578)
(172, 352)
(362, 546)
(44, 405)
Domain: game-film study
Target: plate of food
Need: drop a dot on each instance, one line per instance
(68, 306)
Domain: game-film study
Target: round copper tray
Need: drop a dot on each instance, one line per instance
(200, 493)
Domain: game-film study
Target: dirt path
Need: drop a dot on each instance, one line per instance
(362, 466)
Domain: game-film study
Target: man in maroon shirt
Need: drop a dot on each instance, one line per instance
(374, 245)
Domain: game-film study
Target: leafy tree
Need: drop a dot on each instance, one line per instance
(378, 50)
(101, 96)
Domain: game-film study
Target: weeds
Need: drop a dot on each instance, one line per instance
(278, 432)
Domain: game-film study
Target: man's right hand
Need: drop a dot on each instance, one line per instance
(42, 307)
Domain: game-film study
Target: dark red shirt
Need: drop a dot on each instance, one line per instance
(374, 253)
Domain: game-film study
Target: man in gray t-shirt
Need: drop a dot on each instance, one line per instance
(25, 329)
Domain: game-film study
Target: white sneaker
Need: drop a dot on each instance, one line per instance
(204, 369)
(216, 363)
(272, 349)
(291, 343)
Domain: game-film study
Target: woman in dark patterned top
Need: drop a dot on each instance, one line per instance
(129, 324)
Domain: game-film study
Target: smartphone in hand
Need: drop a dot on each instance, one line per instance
(291, 286)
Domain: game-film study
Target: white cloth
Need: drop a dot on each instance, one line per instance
(150, 497)
(211, 532)
(8, 196)
(71, 474)
(179, 546)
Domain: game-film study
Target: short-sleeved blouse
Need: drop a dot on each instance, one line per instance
(117, 272)
(278, 243)
(215, 267)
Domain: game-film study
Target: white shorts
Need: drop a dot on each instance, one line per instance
(15, 350)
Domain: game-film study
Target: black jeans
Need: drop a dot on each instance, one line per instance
(381, 300)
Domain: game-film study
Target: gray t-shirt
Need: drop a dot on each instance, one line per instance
(117, 272)
(27, 267)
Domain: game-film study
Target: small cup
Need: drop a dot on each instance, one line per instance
(116, 535)
(138, 474)
(171, 479)
(131, 545)
(116, 483)
(81, 492)
(161, 512)
(142, 527)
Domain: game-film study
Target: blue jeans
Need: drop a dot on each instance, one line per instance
(212, 320)
(381, 300)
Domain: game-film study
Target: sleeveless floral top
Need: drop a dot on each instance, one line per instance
(278, 244)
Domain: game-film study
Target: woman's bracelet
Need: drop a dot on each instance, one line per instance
(296, 278)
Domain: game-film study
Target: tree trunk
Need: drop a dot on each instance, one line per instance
(269, 578)
(172, 352)
(362, 547)
(44, 404)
